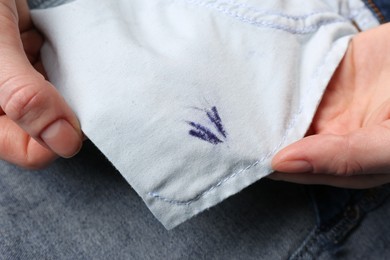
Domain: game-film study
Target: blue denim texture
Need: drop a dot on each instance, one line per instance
(340, 213)
(83, 209)
(381, 9)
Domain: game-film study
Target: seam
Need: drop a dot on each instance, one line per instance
(225, 7)
(235, 174)
(376, 10)
(360, 24)
(355, 12)
(217, 6)
(290, 126)
(303, 248)
(261, 11)
(203, 193)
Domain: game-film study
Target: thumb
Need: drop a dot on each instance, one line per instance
(363, 151)
(27, 98)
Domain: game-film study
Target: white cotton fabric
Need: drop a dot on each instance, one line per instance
(191, 99)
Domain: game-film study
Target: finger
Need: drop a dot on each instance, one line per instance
(351, 182)
(362, 151)
(32, 42)
(38, 66)
(27, 98)
(36, 107)
(17, 147)
(25, 22)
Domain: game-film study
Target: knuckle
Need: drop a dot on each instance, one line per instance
(24, 103)
(347, 167)
(347, 162)
(8, 14)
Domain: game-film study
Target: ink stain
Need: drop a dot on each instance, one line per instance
(216, 119)
(204, 133)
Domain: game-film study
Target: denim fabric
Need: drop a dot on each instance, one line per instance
(82, 208)
(340, 212)
(381, 9)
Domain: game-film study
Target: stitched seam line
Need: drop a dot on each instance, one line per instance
(259, 11)
(290, 126)
(201, 194)
(376, 10)
(235, 174)
(305, 248)
(219, 6)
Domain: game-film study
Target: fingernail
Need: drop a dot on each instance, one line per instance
(62, 138)
(298, 166)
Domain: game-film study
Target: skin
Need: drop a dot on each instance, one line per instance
(348, 143)
(36, 125)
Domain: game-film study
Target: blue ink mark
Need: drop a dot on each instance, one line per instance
(216, 119)
(205, 133)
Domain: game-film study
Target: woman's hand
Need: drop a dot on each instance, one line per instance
(348, 144)
(36, 124)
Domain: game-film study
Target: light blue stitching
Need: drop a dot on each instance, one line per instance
(222, 181)
(262, 159)
(201, 194)
(268, 12)
(217, 5)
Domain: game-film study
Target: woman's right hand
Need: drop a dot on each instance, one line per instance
(349, 141)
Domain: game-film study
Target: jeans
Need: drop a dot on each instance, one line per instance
(381, 9)
(83, 209)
